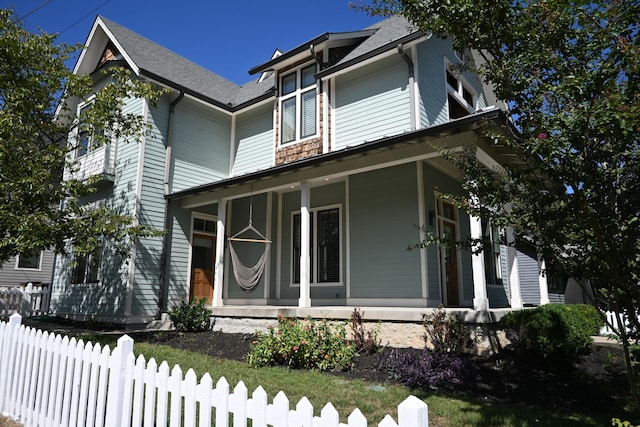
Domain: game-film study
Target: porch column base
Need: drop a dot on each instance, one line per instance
(481, 304)
(304, 302)
(516, 303)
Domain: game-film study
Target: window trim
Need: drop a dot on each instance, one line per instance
(458, 92)
(297, 95)
(91, 145)
(314, 212)
(87, 268)
(38, 268)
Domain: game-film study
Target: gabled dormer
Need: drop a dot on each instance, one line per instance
(301, 118)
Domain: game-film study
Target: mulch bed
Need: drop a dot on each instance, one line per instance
(597, 383)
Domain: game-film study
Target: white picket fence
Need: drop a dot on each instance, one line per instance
(48, 380)
(611, 319)
(29, 299)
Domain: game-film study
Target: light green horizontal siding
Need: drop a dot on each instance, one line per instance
(383, 210)
(179, 247)
(254, 140)
(201, 145)
(107, 298)
(372, 102)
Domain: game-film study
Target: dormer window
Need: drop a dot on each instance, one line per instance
(461, 99)
(298, 105)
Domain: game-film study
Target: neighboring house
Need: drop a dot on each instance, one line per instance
(329, 154)
(21, 270)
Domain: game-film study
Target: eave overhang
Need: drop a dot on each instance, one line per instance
(303, 51)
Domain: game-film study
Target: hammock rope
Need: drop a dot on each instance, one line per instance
(248, 277)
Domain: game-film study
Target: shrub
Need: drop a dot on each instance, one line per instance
(553, 335)
(305, 345)
(365, 340)
(445, 331)
(428, 370)
(191, 317)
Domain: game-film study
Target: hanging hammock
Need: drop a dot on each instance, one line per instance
(248, 277)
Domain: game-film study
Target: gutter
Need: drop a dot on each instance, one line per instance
(162, 299)
(412, 94)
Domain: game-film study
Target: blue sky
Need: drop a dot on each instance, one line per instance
(227, 37)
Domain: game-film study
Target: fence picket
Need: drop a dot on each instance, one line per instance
(138, 391)
(204, 395)
(220, 399)
(188, 392)
(163, 394)
(80, 406)
(103, 381)
(238, 405)
(175, 385)
(49, 380)
(150, 374)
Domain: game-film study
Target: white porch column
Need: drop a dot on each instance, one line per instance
(514, 272)
(218, 280)
(480, 299)
(542, 279)
(305, 273)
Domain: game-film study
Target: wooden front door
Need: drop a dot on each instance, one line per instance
(448, 226)
(203, 255)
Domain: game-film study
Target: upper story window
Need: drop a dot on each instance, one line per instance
(87, 140)
(298, 105)
(460, 98)
(29, 261)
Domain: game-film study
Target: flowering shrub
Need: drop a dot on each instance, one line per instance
(303, 345)
(430, 370)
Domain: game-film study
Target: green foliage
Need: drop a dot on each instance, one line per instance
(617, 422)
(192, 316)
(445, 332)
(552, 336)
(303, 345)
(38, 139)
(569, 73)
(365, 340)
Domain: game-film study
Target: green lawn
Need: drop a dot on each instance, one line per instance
(374, 400)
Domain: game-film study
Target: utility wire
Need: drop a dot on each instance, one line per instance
(35, 10)
(79, 20)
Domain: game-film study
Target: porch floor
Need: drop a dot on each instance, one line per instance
(373, 314)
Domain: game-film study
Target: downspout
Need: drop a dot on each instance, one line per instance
(412, 95)
(162, 297)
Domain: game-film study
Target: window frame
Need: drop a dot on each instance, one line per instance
(297, 94)
(88, 262)
(492, 256)
(314, 250)
(458, 92)
(38, 268)
(91, 146)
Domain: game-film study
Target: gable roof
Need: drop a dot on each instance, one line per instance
(149, 59)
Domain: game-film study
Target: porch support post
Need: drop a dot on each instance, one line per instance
(542, 279)
(514, 272)
(305, 231)
(218, 281)
(480, 299)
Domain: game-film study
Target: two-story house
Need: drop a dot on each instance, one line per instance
(299, 191)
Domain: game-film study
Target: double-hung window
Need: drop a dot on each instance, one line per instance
(88, 139)
(460, 98)
(324, 245)
(87, 268)
(298, 105)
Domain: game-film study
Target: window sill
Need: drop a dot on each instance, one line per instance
(319, 285)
